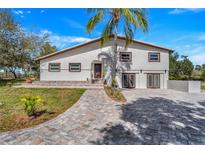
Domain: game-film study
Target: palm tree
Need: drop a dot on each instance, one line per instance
(131, 19)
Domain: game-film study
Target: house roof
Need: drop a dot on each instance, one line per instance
(97, 40)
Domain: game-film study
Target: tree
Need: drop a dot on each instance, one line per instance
(174, 66)
(198, 67)
(19, 49)
(47, 48)
(14, 44)
(131, 19)
(44, 49)
(180, 69)
(186, 67)
(203, 66)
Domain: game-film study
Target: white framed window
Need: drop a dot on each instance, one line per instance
(126, 56)
(74, 67)
(54, 67)
(154, 57)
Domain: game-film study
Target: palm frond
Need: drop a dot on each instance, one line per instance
(128, 32)
(94, 21)
(129, 16)
(142, 19)
(132, 19)
(108, 30)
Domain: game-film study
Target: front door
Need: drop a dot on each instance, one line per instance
(128, 80)
(97, 70)
(153, 80)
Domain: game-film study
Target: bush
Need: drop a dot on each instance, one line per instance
(31, 104)
(113, 84)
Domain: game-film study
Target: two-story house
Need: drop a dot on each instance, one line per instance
(140, 65)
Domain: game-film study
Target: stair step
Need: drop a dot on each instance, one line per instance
(66, 83)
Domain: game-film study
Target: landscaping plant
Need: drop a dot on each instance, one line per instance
(31, 104)
(116, 94)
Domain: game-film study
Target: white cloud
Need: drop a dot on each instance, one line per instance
(61, 41)
(196, 49)
(42, 11)
(198, 59)
(45, 31)
(80, 26)
(180, 11)
(187, 46)
(194, 37)
(176, 11)
(21, 13)
(195, 52)
(18, 12)
(202, 37)
(74, 24)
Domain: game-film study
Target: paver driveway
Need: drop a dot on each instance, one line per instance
(149, 117)
(164, 117)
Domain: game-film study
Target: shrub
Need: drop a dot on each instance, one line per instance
(31, 104)
(113, 84)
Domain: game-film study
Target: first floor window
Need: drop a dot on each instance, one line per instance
(125, 56)
(154, 57)
(54, 67)
(74, 67)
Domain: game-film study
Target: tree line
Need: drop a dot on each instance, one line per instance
(20, 48)
(181, 68)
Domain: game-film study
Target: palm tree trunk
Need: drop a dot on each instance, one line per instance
(114, 54)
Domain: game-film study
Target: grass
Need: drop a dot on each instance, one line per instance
(10, 82)
(12, 115)
(203, 86)
(114, 95)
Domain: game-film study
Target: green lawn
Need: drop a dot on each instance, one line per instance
(10, 82)
(12, 115)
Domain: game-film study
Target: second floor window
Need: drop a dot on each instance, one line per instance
(74, 67)
(54, 67)
(154, 57)
(125, 56)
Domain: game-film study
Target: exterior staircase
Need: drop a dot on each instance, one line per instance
(97, 81)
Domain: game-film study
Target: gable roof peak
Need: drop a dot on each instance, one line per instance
(97, 40)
